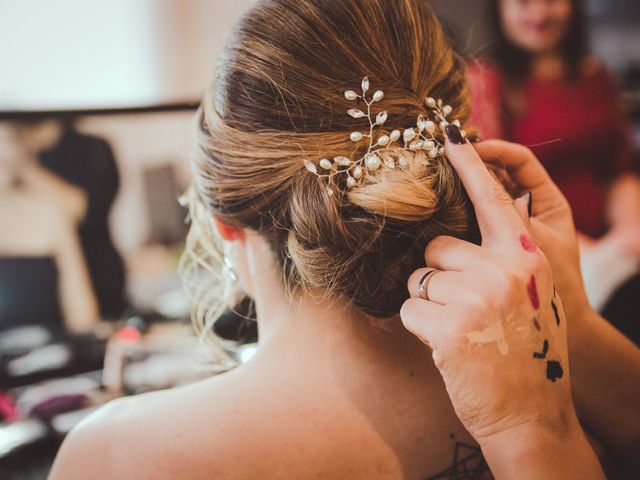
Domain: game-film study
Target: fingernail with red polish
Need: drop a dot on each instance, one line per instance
(455, 134)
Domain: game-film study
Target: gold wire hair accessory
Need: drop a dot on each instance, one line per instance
(382, 147)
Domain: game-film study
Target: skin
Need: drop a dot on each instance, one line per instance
(50, 231)
(538, 27)
(71, 200)
(348, 399)
(387, 414)
(518, 408)
(614, 419)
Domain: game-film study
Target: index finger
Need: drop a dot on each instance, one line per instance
(493, 205)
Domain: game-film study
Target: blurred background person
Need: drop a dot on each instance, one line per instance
(87, 163)
(43, 275)
(541, 88)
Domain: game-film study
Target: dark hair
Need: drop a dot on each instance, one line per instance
(515, 62)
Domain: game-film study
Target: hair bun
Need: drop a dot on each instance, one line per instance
(364, 249)
(279, 98)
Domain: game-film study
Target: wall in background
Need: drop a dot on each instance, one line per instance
(172, 45)
(74, 54)
(184, 38)
(141, 142)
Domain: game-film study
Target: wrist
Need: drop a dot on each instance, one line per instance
(577, 307)
(560, 422)
(542, 451)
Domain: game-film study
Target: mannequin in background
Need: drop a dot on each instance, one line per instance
(43, 275)
(87, 164)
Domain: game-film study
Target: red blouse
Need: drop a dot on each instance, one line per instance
(575, 127)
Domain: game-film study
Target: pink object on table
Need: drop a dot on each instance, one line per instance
(8, 409)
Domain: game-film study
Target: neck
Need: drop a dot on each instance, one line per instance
(312, 327)
(548, 65)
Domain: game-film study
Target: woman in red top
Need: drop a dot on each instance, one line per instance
(565, 106)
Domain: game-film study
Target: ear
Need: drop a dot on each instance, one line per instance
(227, 232)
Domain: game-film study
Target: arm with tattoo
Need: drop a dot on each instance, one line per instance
(498, 335)
(602, 359)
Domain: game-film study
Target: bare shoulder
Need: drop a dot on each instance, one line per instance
(236, 426)
(89, 447)
(176, 433)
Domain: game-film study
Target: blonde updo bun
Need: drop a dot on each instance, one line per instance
(278, 98)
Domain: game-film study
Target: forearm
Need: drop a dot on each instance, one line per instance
(79, 307)
(534, 453)
(624, 200)
(605, 376)
(78, 301)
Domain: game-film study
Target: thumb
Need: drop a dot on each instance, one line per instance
(523, 206)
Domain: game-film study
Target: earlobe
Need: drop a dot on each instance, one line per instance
(227, 232)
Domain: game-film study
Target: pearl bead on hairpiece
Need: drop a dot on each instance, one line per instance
(420, 137)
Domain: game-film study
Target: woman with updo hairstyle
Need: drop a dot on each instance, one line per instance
(279, 98)
(338, 388)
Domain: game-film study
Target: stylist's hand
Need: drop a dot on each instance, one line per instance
(602, 359)
(498, 334)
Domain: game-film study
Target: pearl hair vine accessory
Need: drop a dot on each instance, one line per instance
(383, 145)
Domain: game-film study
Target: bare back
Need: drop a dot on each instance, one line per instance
(279, 417)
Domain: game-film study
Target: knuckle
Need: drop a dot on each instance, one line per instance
(439, 359)
(410, 312)
(495, 143)
(477, 302)
(540, 265)
(436, 246)
(517, 285)
(524, 151)
(506, 279)
(438, 242)
(413, 319)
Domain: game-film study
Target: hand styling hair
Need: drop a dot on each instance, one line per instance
(278, 98)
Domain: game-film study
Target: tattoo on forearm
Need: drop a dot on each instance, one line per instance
(555, 312)
(545, 349)
(554, 370)
(527, 244)
(536, 323)
(532, 290)
(468, 464)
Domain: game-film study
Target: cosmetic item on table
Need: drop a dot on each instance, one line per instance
(51, 407)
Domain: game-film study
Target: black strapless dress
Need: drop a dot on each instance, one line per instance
(29, 292)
